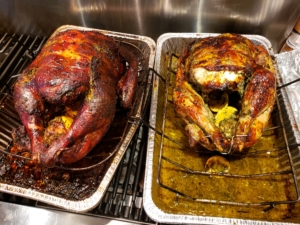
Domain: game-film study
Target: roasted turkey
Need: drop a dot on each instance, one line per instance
(79, 74)
(226, 74)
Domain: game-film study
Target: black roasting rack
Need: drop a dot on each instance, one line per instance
(124, 197)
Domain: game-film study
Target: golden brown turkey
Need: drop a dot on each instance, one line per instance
(81, 72)
(217, 69)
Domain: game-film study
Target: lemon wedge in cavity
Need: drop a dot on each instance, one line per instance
(67, 121)
(225, 113)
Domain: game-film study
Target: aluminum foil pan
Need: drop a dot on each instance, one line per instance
(289, 69)
(155, 198)
(144, 48)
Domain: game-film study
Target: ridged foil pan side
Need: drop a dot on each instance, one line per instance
(146, 48)
(174, 43)
(289, 84)
(289, 71)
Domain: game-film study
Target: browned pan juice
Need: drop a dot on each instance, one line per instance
(220, 188)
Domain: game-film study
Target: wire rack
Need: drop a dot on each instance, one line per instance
(285, 150)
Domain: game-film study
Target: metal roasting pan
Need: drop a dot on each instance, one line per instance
(168, 44)
(144, 48)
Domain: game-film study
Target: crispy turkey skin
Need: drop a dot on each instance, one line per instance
(227, 63)
(74, 66)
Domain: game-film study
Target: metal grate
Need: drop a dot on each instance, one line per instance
(285, 152)
(123, 199)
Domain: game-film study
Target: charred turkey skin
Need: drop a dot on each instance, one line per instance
(74, 66)
(225, 63)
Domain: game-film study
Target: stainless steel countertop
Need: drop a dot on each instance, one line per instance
(20, 214)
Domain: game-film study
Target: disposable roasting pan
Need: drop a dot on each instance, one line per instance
(144, 49)
(161, 203)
